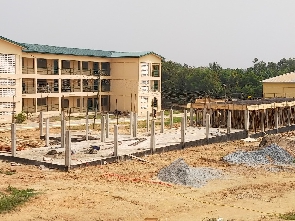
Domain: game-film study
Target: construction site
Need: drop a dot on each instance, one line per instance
(216, 160)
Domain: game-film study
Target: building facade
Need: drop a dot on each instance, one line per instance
(279, 86)
(36, 78)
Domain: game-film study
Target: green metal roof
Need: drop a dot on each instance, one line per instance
(47, 49)
(10, 41)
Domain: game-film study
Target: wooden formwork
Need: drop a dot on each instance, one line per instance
(257, 115)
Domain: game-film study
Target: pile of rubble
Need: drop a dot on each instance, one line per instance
(269, 155)
(22, 143)
(180, 173)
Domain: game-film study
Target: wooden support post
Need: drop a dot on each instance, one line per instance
(266, 118)
(289, 116)
(262, 121)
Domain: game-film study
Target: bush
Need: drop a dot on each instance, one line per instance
(20, 118)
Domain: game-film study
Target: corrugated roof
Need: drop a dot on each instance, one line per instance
(47, 49)
(10, 41)
(289, 77)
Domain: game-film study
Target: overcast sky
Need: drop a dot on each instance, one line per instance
(195, 32)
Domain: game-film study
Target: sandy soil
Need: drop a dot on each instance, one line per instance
(130, 190)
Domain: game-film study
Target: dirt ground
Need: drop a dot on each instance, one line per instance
(130, 190)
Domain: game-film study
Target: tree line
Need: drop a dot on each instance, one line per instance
(182, 83)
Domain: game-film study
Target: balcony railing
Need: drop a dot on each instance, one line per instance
(47, 71)
(155, 73)
(90, 88)
(106, 88)
(28, 89)
(71, 88)
(47, 89)
(27, 70)
(50, 107)
(70, 71)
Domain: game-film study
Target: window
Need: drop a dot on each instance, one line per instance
(65, 64)
(85, 65)
(7, 92)
(41, 63)
(7, 105)
(7, 64)
(7, 112)
(7, 82)
(41, 101)
(144, 102)
(79, 65)
(78, 102)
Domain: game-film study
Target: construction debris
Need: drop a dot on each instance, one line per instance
(180, 173)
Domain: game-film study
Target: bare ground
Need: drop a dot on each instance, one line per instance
(130, 190)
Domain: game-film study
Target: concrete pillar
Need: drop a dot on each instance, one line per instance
(204, 117)
(207, 125)
(171, 118)
(182, 131)
(87, 127)
(289, 116)
(131, 123)
(147, 121)
(191, 117)
(135, 125)
(63, 131)
(262, 120)
(116, 140)
(276, 119)
(153, 140)
(102, 129)
(185, 118)
(47, 132)
(211, 117)
(107, 125)
(228, 122)
(68, 150)
(13, 139)
(41, 123)
(246, 118)
(162, 122)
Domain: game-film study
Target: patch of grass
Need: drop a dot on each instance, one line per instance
(14, 197)
(7, 172)
(288, 216)
(175, 121)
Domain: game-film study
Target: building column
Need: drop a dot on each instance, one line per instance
(59, 66)
(35, 66)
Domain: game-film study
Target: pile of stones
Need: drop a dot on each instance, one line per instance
(269, 155)
(180, 173)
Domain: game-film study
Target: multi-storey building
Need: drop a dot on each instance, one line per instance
(36, 78)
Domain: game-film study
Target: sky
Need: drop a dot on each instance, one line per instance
(195, 32)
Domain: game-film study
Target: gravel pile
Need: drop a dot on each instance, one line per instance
(272, 154)
(180, 173)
